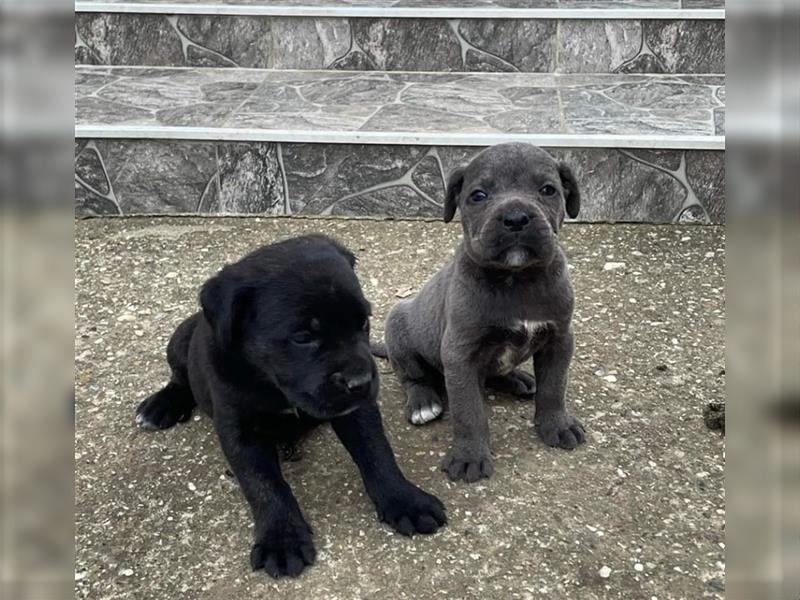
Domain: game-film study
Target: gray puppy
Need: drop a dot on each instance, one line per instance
(505, 296)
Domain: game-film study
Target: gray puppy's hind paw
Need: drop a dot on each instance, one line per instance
(517, 383)
(561, 430)
(468, 465)
(423, 408)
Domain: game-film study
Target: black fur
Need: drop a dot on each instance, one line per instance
(281, 345)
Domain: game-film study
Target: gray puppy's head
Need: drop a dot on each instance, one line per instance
(513, 198)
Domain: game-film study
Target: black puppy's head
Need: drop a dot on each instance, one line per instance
(294, 314)
(513, 198)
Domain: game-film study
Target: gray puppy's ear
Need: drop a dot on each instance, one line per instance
(571, 192)
(453, 190)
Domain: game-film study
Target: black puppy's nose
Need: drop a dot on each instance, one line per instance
(353, 383)
(516, 220)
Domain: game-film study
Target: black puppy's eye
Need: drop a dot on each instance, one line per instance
(303, 338)
(478, 196)
(547, 190)
(365, 324)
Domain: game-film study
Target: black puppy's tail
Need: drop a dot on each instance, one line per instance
(379, 349)
(170, 405)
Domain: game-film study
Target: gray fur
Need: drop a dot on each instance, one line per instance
(505, 297)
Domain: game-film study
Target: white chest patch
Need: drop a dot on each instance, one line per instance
(533, 327)
(511, 356)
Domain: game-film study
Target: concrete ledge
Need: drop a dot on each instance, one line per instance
(422, 12)
(675, 142)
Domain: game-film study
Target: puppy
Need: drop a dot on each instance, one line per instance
(282, 345)
(504, 297)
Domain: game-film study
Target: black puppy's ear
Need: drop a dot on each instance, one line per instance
(453, 190)
(348, 256)
(223, 301)
(571, 192)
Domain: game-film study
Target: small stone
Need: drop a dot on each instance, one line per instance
(638, 567)
(138, 332)
(610, 378)
(714, 416)
(613, 266)
(172, 275)
(192, 487)
(126, 572)
(605, 572)
(126, 317)
(404, 292)
(621, 473)
(80, 575)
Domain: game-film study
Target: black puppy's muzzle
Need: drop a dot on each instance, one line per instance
(353, 383)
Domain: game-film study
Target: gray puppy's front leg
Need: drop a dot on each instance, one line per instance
(551, 364)
(469, 458)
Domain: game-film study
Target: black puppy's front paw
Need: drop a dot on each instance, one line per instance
(560, 430)
(468, 463)
(410, 510)
(284, 549)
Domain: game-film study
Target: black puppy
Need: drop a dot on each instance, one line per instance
(280, 346)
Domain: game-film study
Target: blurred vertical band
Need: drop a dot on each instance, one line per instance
(763, 300)
(36, 300)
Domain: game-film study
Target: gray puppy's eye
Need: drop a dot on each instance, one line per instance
(547, 190)
(478, 196)
(303, 338)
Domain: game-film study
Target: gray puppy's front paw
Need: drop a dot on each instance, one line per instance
(560, 429)
(468, 463)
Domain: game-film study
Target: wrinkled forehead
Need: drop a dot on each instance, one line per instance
(511, 164)
(333, 305)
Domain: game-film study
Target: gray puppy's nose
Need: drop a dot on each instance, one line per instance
(516, 220)
(354, 383)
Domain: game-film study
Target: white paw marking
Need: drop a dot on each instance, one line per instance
(142, 422)
(425, 414)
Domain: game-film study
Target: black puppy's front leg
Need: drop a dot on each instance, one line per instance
(551, 364)
(399, 503)
(283, 544)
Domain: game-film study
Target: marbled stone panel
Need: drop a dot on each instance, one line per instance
(648, 46)
(145, 177)
(408, 44)
(405, 102)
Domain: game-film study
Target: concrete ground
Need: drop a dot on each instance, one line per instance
(638, 512)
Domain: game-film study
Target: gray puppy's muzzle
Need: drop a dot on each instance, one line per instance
(515, 234)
